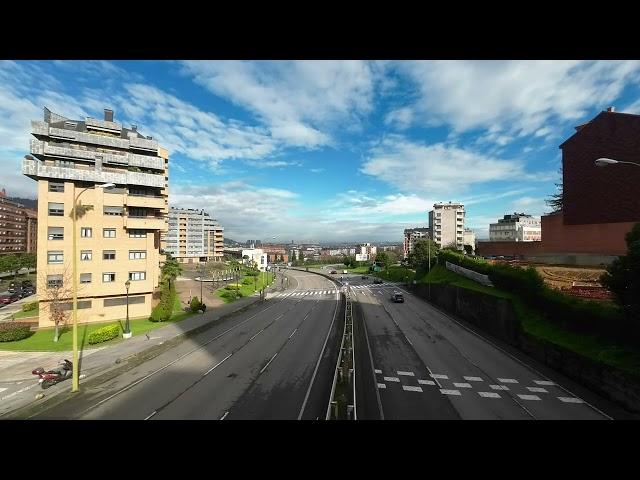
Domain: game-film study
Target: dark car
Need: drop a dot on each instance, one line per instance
(13, 286)
(397, 297)
(333, 271)
(364, 277)
(377, 280)
(7, 298)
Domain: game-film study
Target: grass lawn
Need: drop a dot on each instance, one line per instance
(31, 313)
(42, 340)
(245, 290)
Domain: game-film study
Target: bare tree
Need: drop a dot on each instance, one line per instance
(55, 297)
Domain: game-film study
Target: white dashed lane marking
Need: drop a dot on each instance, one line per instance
(489, 394)
(529, 397)
(426, 382)
(378, 371)
(412, 389)
(499, 387)
(446, 391)
(543, 382)
(3, 389)
(537, 389)
(391, 379)
(409, 374)
(461, 385)
(472, 379)
(507, 380)
(435, 375)
(382, 385)
(571, 399)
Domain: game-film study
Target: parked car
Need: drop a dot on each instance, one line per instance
(397, 297)
(7, 298)
(377, 280)
(13, 286)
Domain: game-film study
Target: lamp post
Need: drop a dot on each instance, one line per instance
(74, 383)
(264, 276)
(127, 330)
(604, 162)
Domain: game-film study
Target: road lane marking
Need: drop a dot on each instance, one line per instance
(537, 389)
(382, 385)
(489, 394)
(412, 389)
(426, 382)
(462, 385)
(446, 391)
(543, 382)
(377, 371)
(392, 379)
(435, 375)
(473, 379)
(529, 397)
(507, 380)
(499, 387)
(410, 374)
(571, 399)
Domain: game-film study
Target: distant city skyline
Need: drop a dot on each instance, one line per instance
(344, 151)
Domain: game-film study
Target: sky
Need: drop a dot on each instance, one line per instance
(331, 151)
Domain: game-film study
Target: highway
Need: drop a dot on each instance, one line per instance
(426, 365)
(275, 361)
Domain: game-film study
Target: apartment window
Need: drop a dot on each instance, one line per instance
(56, 209)
(108, 254)
(55, 257)
(137, 234)
(55, 233)
(85, 278)
(56, 187)
(108, 277)
(137, 254)
(54, 281)
(137, 276)
(86, 232)
(115, 211)
(64, 163)
(86, 255)
(138, 212)
(109, 233)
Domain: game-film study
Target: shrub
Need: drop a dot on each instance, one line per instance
(103, 334)
(13, 331)
(195, 304)
(233, 286)
(248, 281)
(159, 313)
(29, 306)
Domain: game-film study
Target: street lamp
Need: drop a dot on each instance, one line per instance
(74, 384)
(127, 330)
(603, 162)
(264, 272)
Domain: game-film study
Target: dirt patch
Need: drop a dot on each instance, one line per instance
(558, 276)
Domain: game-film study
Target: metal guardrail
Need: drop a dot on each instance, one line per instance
(342, 404)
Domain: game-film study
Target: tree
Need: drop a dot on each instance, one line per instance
(57, 296)
(556, 200)
(28, 260)
(382, 258)
(293, 256)
(453, 246)
(171, 269)
(301, 256)
(622, 277)
(420, 254)
(468, 249)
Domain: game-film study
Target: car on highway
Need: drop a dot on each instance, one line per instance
(333, 272)
(377, 280)
(397, 297)
(364, 277)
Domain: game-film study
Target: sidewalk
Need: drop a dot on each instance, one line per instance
(17, 366)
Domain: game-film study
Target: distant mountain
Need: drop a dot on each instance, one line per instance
(231, 243)
(27, 202)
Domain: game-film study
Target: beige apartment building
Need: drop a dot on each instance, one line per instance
(194, 236)
(446, 221)
(413, 236)
(118, 230)
(518, 227)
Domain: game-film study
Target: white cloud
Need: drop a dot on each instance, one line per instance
(434, 169)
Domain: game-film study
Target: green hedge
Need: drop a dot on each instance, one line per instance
(103, 334)
(13, 331)
(163, 311)
(195, 304)
(29, 306)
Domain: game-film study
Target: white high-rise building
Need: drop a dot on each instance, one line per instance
(518, 227)
(446, 221)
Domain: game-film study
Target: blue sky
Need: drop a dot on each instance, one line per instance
(330, 151)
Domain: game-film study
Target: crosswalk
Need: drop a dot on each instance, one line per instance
(330, 292)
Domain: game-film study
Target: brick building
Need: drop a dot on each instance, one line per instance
(600, 205)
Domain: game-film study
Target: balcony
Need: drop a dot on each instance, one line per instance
(36, 169)
(144, 201)
(145, 223)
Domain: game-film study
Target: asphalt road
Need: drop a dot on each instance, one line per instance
(275, 361)
(427, 365)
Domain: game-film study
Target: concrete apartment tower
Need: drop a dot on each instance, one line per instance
(446, 221)
(194, 236)
(119, 230)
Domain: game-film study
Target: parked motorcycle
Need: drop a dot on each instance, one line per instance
(56, 375)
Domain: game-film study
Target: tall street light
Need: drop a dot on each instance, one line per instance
(127, 330)
(74, 385)
(604, 162)
(264, 272)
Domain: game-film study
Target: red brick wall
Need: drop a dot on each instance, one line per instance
(604, 239)
(602, 195)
